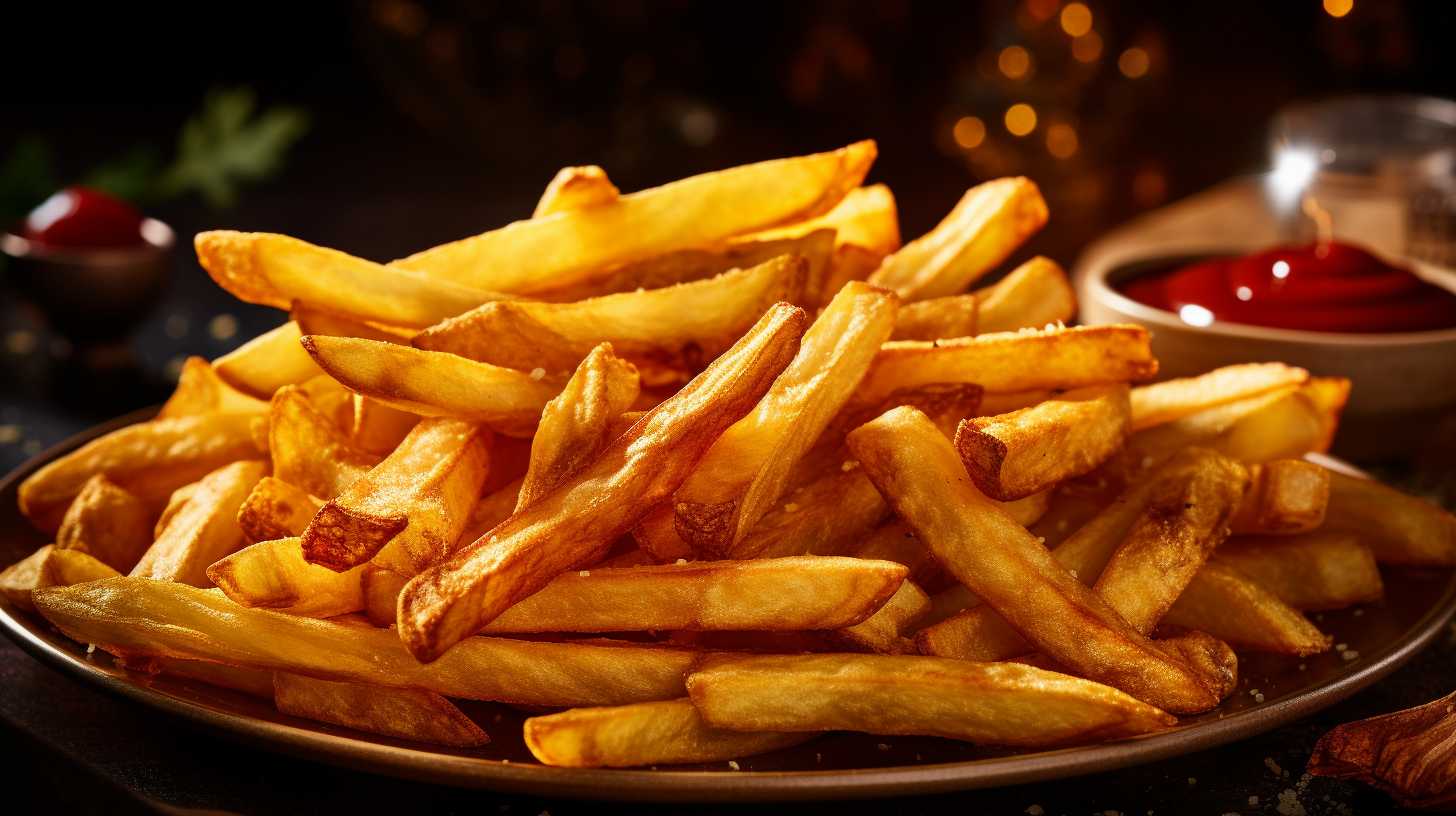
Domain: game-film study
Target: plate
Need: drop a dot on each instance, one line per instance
(1273, 690)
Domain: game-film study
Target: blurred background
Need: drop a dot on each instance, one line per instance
(382, 127)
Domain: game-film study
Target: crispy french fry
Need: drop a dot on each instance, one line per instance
(435, 384)
(663, 733)
(254, 682)
(204, 529)
(266, 363)
(947, 603)
(895, 542)
(47, 567)
(884, 631)
(333, 401)
(409, 511)
(274, 575)
(1055, 358)
(1232, 607)
(1014, 455)
(580, 520)
(276, 509)
(866, 219)
(175, 503)
(936, 318)
(149, 459)
(308, 450)
(1314, 571)
(748, 468)
(1166, 401)
(989, 223)
(808, 592)
(1000, 703)
(577, 423)
(379, 428)
(381, 594)
(1285, 496)
(108, 522)
(825, 517)
(494, 508)
(681, 326)
(410, 714)
(312, 319)
(1153, 446)
(919, 472)
(201, 391)
(137, 616)
(276, 270)
(576, 188)
(656, 533)
(1302, 422)
(573, 245)
(1398, 528)
(1031, 296)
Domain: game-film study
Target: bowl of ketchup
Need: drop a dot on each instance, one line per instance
(1334, 308)
(92, 264)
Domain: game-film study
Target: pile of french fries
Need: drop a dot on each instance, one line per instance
(711, 468)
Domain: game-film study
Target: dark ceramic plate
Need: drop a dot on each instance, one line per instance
(1272, 691)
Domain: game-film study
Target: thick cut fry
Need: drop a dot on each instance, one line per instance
(1154, 446)
(276, 509)
(1285, 496)
(570, 246)
(1015, 361)
(895, 542)
(1319, 570)
(409, 714)
(681, 326)
(276, 270)
(253, 682)
(1174, 399)
(992, 703)
(1302, 422)
(825, 517)
(576, 188)
(666, 733)
(204, 529)
(201, 391)
(1399, 529)
(379, 428)
(136, 616)
(266, 363)
(866, 219)
(1230, 606)
(578, 422)
(309, 451)
(1027, 451)
(937, 318)
(108, 522)
(1031, 296)
(435, 384)
(315, 320)
(656, 533)
(579, 521)
(149, 460)
(748, 468)
(808, 592)
(175, 503)
(409, 511)
(47, 567)
(381, 594)
(494, 508)
(989, 223)
(919, 472)
(274, 575)
(884, 631)
(332, 401)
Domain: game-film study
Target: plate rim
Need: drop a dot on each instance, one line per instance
(426, 765)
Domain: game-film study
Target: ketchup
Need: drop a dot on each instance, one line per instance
(83, 217)
(1330, 287)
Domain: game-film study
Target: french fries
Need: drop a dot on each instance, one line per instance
(47, 567)
(200, 390)
(884, 632)
(1286, 496)
(1034, 295)
(409, 714)
(276, 509)
(578, 521)
(1230, 606)
(1319, 570)
(576, 188)
(949, 316)
(308, 450)
(266, 363)
(378, 428)
(1399, 529)
(275, 575)
(1174, 399)
(108, 522)
(866, 218)
(662, 733)
(204, 529)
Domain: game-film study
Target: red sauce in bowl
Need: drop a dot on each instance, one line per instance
(83, 217)
(1328, 287)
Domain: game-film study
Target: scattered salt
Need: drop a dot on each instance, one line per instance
(733, 764)
(538, 374)
(883, 747)
(1348, 655)
(681, 561)
(791, 507)
(585, 573)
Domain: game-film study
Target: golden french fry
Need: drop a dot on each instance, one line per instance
(936, 318)
(948, 603)
(1031, 296)
(379, 428)
(1232, 607)
(577, 423)
(1015, 361)
(920, 474)
(200, 390)
(576, 188)
(681, 326)
(1285, 496)
(409, 511)
(1169, 400)
(411, 714)
(989, 223)
(748, 468)
(332, 401)
(1208, 428)
(276, 270)
(136, 616)
(866, 219)
(580, 520)
(108, 522)
(1314, 571)
(1398, 528)
(993, 703)
(308, 450)
(149, 460)
(656, 533)
(808, 592)
(253, 682)
(825, 517)
(895, 542)
(435, 384)
(312, 319)
(275, 509)
(204, 529)
(47, 567)
(884, 631)
(274, 575)
(494, 508)
(663, 733)
(266, 363)
(1302, 422)
(175, 503)
(1014, 455)
(573, 245)
(381, 594)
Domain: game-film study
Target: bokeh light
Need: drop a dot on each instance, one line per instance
(969, 132)
(1061, 140)
(1088, 47)
(1041, 10)
(1020, 119)
(1076, 19)
(1339, 8)
(1014, 62)
(1134, 63)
